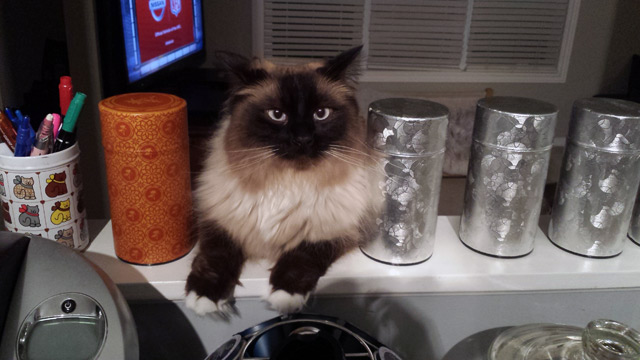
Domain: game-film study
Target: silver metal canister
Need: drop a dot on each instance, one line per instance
(599, 178)
(412, 134)
(634, 228)
(512, 140)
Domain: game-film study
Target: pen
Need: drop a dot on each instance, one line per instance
(65, 90)
(57, 123)
(44, 136)
(7, 131)
(12, 117)
(32, 134)
(23, 145)
(66, 135)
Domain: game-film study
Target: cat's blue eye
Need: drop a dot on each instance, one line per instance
(277, 115)
(322, 113)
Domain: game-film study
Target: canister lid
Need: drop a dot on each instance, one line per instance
(515, 123)
(142, 103)
(136, 122)
(609, 124)
(408, 126)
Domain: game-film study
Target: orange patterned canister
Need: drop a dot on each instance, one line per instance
(146, 148)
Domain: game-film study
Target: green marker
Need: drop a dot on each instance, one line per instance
(67, 136)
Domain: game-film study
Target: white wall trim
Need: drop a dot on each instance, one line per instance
(567, 40)
(257, 30)
(448, 76)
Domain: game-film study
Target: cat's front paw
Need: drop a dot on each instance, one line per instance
(286, 303)
(202, 305)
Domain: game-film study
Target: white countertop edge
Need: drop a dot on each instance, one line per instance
(453, 269)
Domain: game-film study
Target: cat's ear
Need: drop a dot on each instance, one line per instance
(342, 67)
(241, 69)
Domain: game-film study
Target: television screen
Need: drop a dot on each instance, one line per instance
(158, 33)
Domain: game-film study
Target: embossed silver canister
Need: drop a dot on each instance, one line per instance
(512, 140)
(634, 228)
(412, 134)
(599, 178)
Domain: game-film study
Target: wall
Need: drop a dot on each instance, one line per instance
(23, 30)
(624, 43)
(586, 69)
(605, 38)
(84, 67)
(593, 55)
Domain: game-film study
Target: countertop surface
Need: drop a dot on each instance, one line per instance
(453, 268)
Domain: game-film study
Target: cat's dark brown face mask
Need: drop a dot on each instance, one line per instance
(297, 112)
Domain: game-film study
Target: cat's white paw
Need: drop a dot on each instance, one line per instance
(202, 305)
(286, 303)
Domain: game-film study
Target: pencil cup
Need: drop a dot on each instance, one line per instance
(146, 148)
(42, 196)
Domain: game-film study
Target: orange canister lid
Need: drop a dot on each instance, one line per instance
(130, 122)
(142, 103)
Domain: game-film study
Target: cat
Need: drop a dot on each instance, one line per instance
(2, 190)
(29, 215)
(23, 188)
(288, 177)
(56, 184)
(65, 237)
(61, 212)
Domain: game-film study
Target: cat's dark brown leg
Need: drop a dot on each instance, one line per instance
(297, 271)
(215, 271)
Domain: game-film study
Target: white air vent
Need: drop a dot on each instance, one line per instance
(406, 34)
(311, 29)
(425, 40)
(516, 34)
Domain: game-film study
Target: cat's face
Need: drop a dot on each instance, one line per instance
(64, 205)
(296, 113)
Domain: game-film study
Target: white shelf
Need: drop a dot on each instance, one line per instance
(453, 268)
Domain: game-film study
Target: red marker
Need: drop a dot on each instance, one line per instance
(65, 90)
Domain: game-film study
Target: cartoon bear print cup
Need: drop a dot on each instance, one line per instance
(43, 196)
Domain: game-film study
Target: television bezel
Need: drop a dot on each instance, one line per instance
(113, 57)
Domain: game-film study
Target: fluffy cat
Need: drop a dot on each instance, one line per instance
(288, 177)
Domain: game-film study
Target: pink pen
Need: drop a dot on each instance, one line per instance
(44, 137)
(57, 123)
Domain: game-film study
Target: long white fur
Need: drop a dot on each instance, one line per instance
(286, 303)
(202, 305)
(293, 208)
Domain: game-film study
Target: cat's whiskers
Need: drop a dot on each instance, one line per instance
(251, 161)
(353, 150)
(353, 161)
(270, 147)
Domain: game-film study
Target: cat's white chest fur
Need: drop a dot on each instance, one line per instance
(292, 209)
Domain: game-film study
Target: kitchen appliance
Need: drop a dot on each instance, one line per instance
(54, 304)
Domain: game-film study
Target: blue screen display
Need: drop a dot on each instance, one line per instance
(158, 33)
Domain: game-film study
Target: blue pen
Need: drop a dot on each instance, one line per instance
(12, 117)
(32, 133)
(23, 143)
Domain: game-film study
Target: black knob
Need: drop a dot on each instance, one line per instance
(68, 306)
